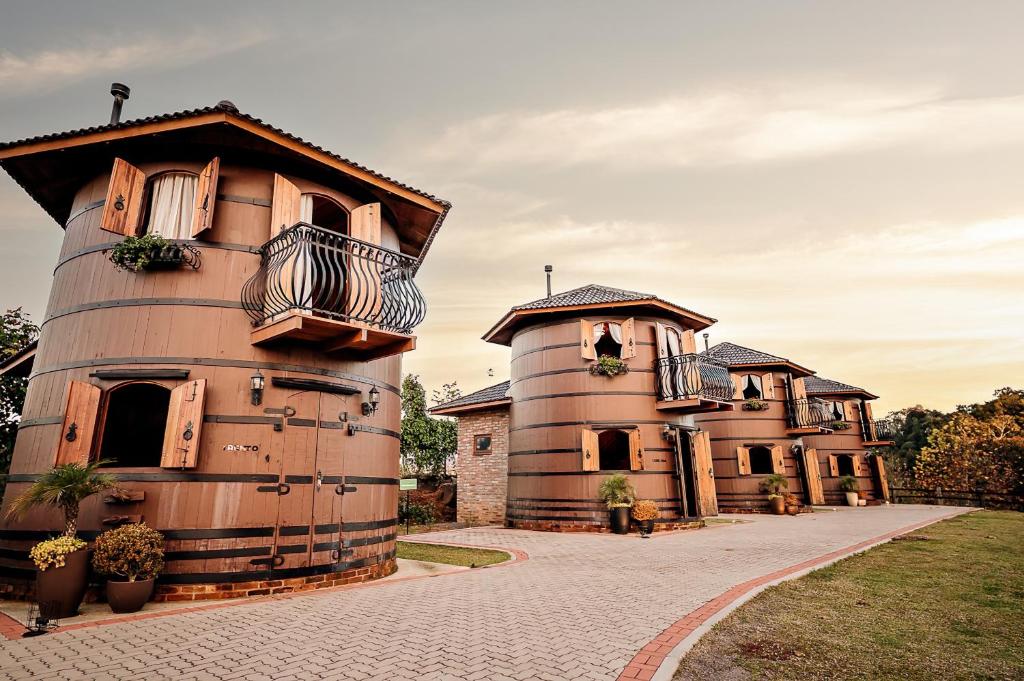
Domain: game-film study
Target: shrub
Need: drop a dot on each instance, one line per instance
(774, 485)
(848, 483)
(616, 491)
(839, 425)
(136, 252)
(133, 552)
(754, 404)
(609, 366)
(52, 552)
(645, 509)
(416, 513)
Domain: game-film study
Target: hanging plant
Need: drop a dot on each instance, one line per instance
(607, 365)
(152, 251)
(839, 425)
(754, 404)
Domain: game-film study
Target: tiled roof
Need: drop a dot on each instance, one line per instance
(221, 107)
(730, 353)
(493, 393)
(819, 385)
(591, 294)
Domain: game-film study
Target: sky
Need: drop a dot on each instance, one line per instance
(838, 183)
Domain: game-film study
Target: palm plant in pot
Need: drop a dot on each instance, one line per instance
(848, 484)
(132, 557)
(644, 512)
(62, 563)
(776, 485)
(618, 494)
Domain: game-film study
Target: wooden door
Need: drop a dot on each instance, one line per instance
(329, 481)
(812, 477)
(704, 474)
(294, 533)
(881, 477)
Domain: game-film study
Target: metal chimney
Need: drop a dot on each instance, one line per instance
(120, 92)
(547, 271)
(705, 334)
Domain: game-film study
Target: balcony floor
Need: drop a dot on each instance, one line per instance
(809, 430)
(330, 335)
(879, 443)
(694, 405)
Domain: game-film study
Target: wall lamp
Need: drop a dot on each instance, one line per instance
(371, 406)
(256, 388)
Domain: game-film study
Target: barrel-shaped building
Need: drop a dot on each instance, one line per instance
(240, 377)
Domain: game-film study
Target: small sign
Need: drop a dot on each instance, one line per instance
(405, 484)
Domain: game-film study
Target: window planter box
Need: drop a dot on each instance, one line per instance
(168, 257)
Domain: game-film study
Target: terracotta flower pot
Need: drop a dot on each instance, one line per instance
(777, 505)
(129, 596)
(620, 520)
(792, 510)
(59, 590)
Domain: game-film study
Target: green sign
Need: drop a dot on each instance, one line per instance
(407, 484)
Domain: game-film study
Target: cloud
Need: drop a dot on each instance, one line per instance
(48, 69)
(732, 127)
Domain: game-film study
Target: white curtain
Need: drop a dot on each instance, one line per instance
(672, 337)
(616, 332)
(306, 208)
(173, 198)
(755, 381)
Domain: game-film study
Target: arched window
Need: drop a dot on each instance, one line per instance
(760, 460)
(321, 211)
(613, 448)
(134, 422)
(752, 388)
(172, 200)
(836, 411)
(845, 464)
(608, 339)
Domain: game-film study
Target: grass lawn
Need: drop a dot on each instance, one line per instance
(946, 602)
(452, 555)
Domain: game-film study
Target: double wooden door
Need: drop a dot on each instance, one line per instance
(696, 474)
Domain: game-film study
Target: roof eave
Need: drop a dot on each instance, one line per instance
(796, 369)
(442, 410)
(845, 393)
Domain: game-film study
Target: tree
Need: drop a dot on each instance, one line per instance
(428, 443)
(16, 332)
(63, 488)
(912, 426)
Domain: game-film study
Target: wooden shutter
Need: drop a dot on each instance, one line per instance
(661, 337)
(743, 460)
(628, 339)
(813, 476)
(778, 460)
(364, 223)
(737, 382)
(184, 425)
(122, 208)
(636, 451)
(206, 197)
(287, 206)
(833, 466)
(768, 386)
(799, 389)
(591, 450)
(883, 478)
(871, 433)
(81, 406)
(848, 410)
(687, 343)
(587, 350)
(703, 464)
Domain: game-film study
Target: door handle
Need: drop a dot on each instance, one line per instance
(319, 480)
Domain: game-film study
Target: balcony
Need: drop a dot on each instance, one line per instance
(340, 294)
(881, 433)
(807, 416)
(693, 383)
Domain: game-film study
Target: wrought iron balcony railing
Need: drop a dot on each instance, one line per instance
(881, 430)
(315, 270)
(808, 412)
(690, 376)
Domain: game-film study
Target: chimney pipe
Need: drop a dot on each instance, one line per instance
(547, 271)
(120, 92)
(706, 334)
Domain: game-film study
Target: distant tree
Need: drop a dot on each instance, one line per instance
(428, 443)
(16, 331)
(912, 426)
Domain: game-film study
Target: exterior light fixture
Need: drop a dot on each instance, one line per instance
(256, 385)
(371, 406)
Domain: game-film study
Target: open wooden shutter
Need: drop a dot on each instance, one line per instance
(636, 451)
(287, 206)
(364, 223)
(833, 466)
(703, 464)
(768, 386)
(123, 206)
(799, 389)
(81, 406)
(737, 382)
(661, 338)
(871, 433)
(778, 460)
(743, 460)
(206, 197)
(184, 425)
(860, 467)
(883, 478)
(848, 413)
(628, 339)
(813, 475)
(687, 343)
(591, 450)
(587, 350)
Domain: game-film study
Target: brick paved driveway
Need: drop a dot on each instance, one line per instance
(579, 608)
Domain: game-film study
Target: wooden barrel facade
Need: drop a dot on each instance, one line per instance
(228, 519)
(730, 430)
(554, 397)
(845, 443)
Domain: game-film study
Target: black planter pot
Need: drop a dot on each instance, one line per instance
(129, 596)
(646, 527)
(620, 520)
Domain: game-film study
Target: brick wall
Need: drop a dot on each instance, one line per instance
(482, 477)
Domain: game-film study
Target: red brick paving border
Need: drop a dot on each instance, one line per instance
(11, 629)
(646, 663)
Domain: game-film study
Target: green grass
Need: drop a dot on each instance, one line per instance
(950, 606)
(451, 555)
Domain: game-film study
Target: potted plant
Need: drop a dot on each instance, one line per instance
(792, 504)
(607, 365)
(148, 251)
(848, 484)
(776, 485)
(132, 557)
(644, 512)
(62, 563)
(839, 425)
(618, 494)
(754, 404)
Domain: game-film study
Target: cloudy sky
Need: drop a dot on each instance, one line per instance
(838, 183)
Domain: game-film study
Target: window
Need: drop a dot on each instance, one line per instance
(760, 460)
(323, 212)
(482, 444)
(836, 410)
(134, 423)
(613, 450)
(172, 198)
(845, 463)
(608, 339)
(752, 388)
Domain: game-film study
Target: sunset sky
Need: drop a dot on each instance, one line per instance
(839, 183)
